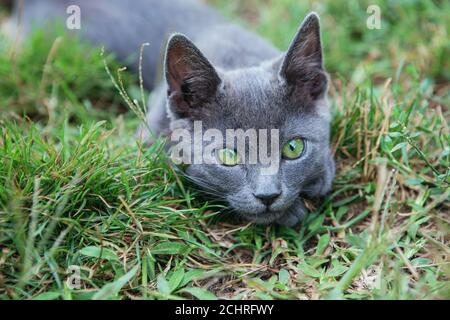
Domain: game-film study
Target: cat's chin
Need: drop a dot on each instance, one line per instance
(264, 218)
(289, 218)
(294, 215)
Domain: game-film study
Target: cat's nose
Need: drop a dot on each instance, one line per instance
(268, 197)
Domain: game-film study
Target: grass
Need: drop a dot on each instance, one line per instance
(77, 189)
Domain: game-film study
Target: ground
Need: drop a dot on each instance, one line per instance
(79, 194)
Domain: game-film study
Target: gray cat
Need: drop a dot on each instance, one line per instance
(227, 78)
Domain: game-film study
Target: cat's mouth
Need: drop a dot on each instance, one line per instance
(253, 209)
(265, 215)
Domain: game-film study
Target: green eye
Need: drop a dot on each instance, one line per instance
(228, 157)
(293, 149)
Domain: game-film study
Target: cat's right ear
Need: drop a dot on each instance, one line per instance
(191, 79)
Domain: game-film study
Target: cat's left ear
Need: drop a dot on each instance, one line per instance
(302, 65)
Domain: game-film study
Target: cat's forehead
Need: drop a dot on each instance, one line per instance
(251, 98)
(251, 85)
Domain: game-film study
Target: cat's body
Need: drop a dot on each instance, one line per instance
(230, 79)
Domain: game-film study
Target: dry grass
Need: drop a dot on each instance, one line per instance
(77, 191)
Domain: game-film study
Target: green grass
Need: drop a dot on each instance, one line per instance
(76, 188)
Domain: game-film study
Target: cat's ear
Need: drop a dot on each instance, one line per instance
(191, 79)
(302, 65)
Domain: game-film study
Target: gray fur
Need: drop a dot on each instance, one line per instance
(230, 78)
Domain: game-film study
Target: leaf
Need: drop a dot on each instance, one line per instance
(394, 125)
(99, 252)
(284, 276)
(169, 248)
(162, 284)
(412, 230)
(261, 285)
(421, 262)
(386, 143)
(50, 295)
(200, 293)
(113, 288)
(272, 281)
(357, 240)
(309, 271)
(341, 212)
(175, 279)
(322, 244)
(83, 295)
(337, 271)
(413, 182)
(399, 146)
(395, 134)
(263, 296)
(316, 223)
(191, 275)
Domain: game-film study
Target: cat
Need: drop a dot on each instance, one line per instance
(225, 77)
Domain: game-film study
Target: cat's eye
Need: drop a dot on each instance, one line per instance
(293, 149)
(228, 157)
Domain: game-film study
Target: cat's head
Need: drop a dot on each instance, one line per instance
(287, 94)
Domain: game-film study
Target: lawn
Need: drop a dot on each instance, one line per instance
(79, 193)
